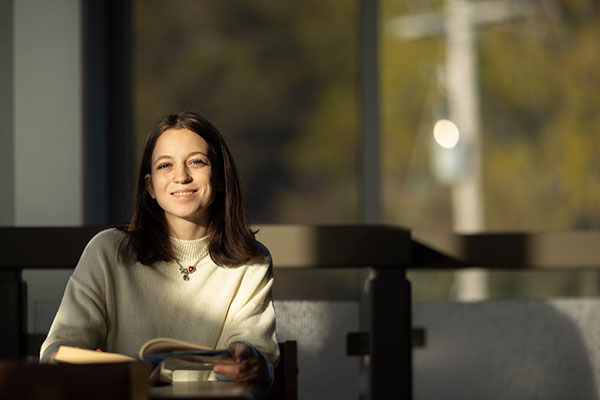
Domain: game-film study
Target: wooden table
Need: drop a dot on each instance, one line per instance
(205, 390)
(119, 381)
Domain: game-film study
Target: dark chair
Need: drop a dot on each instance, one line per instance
(285, 385)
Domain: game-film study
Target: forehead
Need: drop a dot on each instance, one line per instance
(173, 142)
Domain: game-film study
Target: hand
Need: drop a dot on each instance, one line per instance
(246, 367)
(52, 358)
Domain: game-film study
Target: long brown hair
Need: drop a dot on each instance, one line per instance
(230, 240)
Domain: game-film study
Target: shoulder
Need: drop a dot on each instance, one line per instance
(108, 240)
(108, 236)
(264, 259)
(261, 259)
(99, 258)
(260, 266)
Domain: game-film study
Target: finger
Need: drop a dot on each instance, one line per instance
(240, 372)
(230, 369)
(52, 357)
(248, 376)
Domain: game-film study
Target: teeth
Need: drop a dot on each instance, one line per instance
(182, 193)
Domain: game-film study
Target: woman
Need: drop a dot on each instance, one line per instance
(187, 266)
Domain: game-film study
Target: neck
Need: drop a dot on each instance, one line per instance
(187, 230)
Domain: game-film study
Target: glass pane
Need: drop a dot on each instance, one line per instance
(432, 285)
(519, 80)
(277, 78)
(533, 96)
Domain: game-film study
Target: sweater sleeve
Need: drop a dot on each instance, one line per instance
(81, 317)
(251, 316)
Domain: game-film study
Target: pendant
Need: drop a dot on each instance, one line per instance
(187, 271)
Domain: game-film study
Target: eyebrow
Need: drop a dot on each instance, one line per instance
(194, 153)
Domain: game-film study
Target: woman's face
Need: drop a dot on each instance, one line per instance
(181, 178)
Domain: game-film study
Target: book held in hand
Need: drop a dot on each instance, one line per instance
(164, 354)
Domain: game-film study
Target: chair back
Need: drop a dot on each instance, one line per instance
(285, 384)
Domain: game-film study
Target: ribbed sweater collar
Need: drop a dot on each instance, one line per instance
(188, 250)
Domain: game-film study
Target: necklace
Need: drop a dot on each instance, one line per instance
(192, 268)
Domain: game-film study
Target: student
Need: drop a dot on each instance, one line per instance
(187, 266)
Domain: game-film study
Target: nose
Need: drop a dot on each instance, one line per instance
(182, 175)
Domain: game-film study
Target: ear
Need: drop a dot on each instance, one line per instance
(149, 186)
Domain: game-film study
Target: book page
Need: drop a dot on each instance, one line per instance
(181, 354)
(166, 345)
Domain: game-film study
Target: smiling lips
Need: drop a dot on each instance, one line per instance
(183, 193)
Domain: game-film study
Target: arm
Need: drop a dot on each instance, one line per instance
(80, 320)
(249, 331)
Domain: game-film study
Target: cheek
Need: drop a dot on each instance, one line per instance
(158, 186)
(207, 181)
(207, 189)
(208, 192)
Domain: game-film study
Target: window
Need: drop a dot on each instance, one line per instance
(533, 105)
(277, 78)
(281, 82)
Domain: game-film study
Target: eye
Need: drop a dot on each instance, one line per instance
(163, 165)
(199, 161)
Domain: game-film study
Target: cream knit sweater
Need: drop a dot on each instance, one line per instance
(117, 307)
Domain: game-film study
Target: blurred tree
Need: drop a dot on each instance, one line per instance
(539, 102)
(540, 110)
(278, 78)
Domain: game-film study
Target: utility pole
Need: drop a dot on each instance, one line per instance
(458, 23)
(463, 108)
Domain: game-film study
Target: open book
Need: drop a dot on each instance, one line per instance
(164, 355)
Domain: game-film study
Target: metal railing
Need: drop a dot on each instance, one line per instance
(384, 252)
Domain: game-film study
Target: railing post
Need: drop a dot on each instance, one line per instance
(11, 324)
(390, 335)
